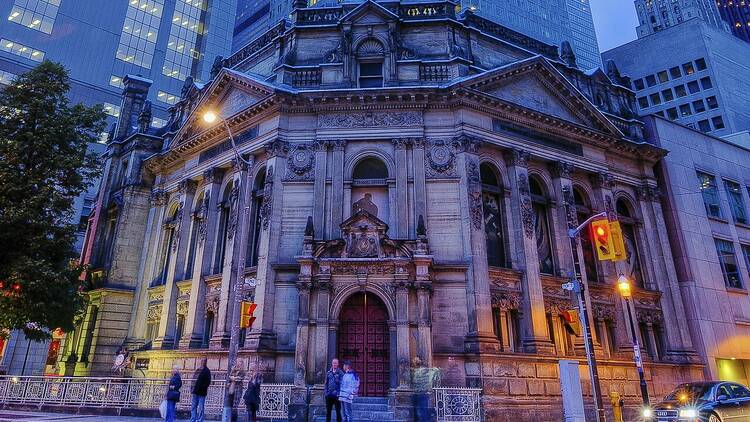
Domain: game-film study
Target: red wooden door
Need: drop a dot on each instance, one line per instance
(365, 342)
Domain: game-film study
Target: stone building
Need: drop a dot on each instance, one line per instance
(413, 176)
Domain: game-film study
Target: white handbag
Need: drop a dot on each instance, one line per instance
(163, 409)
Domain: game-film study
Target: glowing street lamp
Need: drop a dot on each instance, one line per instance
(623, 285)
(209, 116)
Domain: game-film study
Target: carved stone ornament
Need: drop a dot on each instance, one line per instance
(518, 157)
(401, 143)
(277, 148)
(182, 307)
(201, 216)
(354, 120)
(604, 312)
(153, 313)
(233, 210)
(212, 305)
(570, 207)
(342, 49)
(440, 159)
(505, 301)
(212, 176)
(267, 205)
(468, 144)
(527, 208)
(604, 180)
(648, 193)
(177, 227)
(158, 198)
(475, 192)
(649, 316)
(301, 162)
(561, 169)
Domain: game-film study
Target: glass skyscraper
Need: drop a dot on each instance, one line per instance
(737, 14)
(657, 15)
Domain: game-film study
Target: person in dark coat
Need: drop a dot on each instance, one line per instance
(173, 396)
(252, 397)
(332, 389)
(200, 391)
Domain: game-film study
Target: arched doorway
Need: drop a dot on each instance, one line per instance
(364, 341)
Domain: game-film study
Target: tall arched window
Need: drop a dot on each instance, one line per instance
(223, 236)
(583, 211)
(165, 252)
(258, 195)
(370, 188)
(540, 203)
(494, 223)
(194, 224)
(627, 224)
(370, 55)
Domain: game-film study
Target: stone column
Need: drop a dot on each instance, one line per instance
(402, 331)
(420, 190)
(180, 242)
(262, 337)
(207, 216)
(229, 276)
(337, 188)
(301, 363)
(319, 189)
(322, 317)
(402, 199)
(534, 322)
(481, 336)
(562, 186)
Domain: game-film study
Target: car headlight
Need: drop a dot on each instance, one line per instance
(647, 413)
(688, 413)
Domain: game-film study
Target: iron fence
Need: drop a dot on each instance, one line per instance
(458, 404)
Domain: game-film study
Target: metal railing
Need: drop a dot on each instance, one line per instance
(130, 393)
(458, 404)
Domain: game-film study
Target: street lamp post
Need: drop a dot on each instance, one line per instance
(241, 285)
(623, 284)
(579, 288)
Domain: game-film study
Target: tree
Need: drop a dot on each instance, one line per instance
(44, 166)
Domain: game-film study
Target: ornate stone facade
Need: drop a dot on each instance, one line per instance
(425, 206)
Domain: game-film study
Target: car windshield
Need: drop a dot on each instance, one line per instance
(690, 392)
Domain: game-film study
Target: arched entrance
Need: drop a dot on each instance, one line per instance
(364, 341)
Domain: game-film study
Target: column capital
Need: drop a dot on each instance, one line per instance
(212, 175)
(321, 146)
(561, 169)
(338, 145)
(158, 197)
(517, 157)
(277, 148)
(402, 143)
(603, 180)
(468, 144)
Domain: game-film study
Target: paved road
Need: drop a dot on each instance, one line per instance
(13, 416)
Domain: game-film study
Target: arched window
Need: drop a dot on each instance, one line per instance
(627, 224)
(370, 188)
(208, 329)
(257, 202)
(166, 255)
(494, 223)
(223, 237)
(194, 224)
(583, 211)
(540, 204)
(370, 55)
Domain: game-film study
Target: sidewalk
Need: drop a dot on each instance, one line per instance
(13, 415)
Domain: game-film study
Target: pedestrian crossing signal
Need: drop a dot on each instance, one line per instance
(602, 238)
(246, 315)
(572, 322)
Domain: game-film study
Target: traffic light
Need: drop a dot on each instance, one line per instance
(571, 322)
(602, 238)
(618, 242)
(246, 314)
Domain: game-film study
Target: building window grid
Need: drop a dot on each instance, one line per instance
(728, 263)
(710, 193)
(167, 98)
(116, 81)
(111, 109)
(182, 49)
(736, 204)
(139, 32)
(21, 50)
(35, 14)
(7, 78)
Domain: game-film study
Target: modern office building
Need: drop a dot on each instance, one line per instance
(655, 16)
(705, 183)
(550, 21)
(691, 73)
(736, 13)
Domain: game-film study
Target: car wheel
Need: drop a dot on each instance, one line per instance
(713, 418)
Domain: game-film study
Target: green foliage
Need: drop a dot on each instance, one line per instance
(44, 166)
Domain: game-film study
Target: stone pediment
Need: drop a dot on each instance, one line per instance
(236, 100)
(363, 236)
(536, 85)
(368, 13)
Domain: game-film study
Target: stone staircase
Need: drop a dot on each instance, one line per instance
(369, 409)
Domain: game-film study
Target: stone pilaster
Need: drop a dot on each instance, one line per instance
(420, 189)
(319, 189)
(402, 202)
(402, 331)
(534, 322)
(337, 189)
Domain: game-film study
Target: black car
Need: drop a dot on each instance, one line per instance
(716, 401)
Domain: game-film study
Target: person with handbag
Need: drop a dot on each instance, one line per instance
(173, 396)
(252, 396)
(348, 391)
(200, 391)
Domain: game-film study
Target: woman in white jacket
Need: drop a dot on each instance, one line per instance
(348, 391)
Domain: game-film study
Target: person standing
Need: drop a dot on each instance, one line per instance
(235, 386)
(173, 395)
(200, 391)
(332, 389)
(423, 381)
(252, 396)
(349, 390)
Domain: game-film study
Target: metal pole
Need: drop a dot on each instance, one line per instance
(235, 293)
(637, 355)
(588, 338)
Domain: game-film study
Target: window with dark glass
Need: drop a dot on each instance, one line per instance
(706, 83)
(700, 64)
(650, 80)
(680, 90)
(659, 113)
(257, 203)
(693, 87)
(371, 74)
(675, 72)
(492, 206)
(746, 254)
(736, 204)
(643, 102)
(540, 203)
(718, 122)
(712, 103)
(667, 94)
(663, 76)
(655, 99)
(685, 110)
(688, 69)
(583, 211)
(698, 106)
(166, 248)
(710, 193)
(704, 125)
(638, 84)
(221, 246)
(627, 224)
(728, 262)
(672, 113)
(89, 337)
(208, 329)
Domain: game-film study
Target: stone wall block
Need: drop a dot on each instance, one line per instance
(619, 373)
(526, 370)
(544, 370)
(494, 386)
(552, 387)
(517, 387)
(506, 369)
(536, 387)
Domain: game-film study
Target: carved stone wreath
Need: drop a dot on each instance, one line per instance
(300, 163)
(440, 159)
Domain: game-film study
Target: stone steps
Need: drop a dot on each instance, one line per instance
(368, 409)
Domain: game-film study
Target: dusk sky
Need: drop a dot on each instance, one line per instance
(615, 22)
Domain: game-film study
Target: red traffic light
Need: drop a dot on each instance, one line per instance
(602, 239)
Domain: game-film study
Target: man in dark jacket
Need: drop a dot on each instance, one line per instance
(200, 391)
(332, 388)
